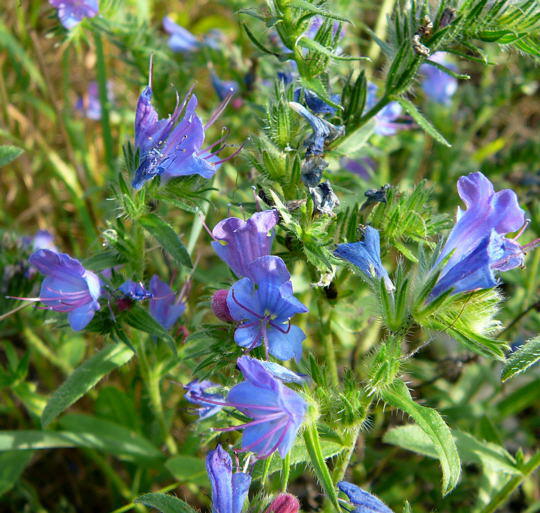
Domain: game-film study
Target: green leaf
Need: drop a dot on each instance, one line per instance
(521, 359)
(9, 154)
(84, 378)
(141, 319)
(188, 469)
(167, 237)
(256, 42)
(410, 108)
(164, 503)
(311, 44)
(103, 260)
(471, 450)
(306, 6)
(434, 427)
(12, 465)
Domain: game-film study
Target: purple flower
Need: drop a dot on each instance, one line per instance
(264, 304)
(438, 85)
(173, 147)
(134, 291)
(238, 242)
(362, 167)
(67, 287)
(180, 40)
(363, 501)
(323, 131)
(223, 88)
(229, 490)
(72, 12)
(42, 239)
(385, 119)
(276, 410)
(90, 106)
(477, 245)
(366, 255)
(165, 307)
(196, 393)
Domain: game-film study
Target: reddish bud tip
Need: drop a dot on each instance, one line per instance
(284, 503)
(219, 306)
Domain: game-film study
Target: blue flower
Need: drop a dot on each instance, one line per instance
(477, 246)
(323, 131)
(264, 304)
(223, 88)
(90, 106)
(276, 410)
(196, 393)
(363, 501)
(229, 490)
(284, 374)
(134, 291)
(173, 147)
(238, 242)
(314, 103)
(42, 239)
(165, 307)
(438, 85)
(366, 255)
(385, 119)
(72, 12)
(68, 287)
(180, 40)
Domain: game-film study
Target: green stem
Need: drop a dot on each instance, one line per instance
(328, 341)
(285, 471)
(313, 445)
(266, 468)
(104, 101)
(504, 494)
(344, 458)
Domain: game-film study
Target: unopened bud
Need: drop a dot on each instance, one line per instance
(219, 306)
(284, 503)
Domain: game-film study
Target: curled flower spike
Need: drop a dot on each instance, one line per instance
(67, 287)
(180, 40)
(366, 255)
(72, 12)
(165, 307)
(276, 410)
(196, 393)
(173, 147)
(438, 85)
(238, 242)
(264, 303)
(363, 501)
(229, 490)
(477, 246)
(134, 291)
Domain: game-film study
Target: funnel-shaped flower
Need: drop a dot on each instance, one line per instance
(173, 147)
(223, 88)
(197, 392)
(264, 303)
(477, 246)
(180, 40)
(229, 490)
(363, 501)
(134, 290)
(165, 307)
(438, 85)
(72, 12)
(238, 242)
(276, 410)
(68, 287)
(366, 255)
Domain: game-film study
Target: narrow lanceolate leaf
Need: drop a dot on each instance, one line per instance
(8, 154)
(12, 465)
(434, 427)
(426, 125)
(521, 359)
(84, 378)
(310, 44)
(164, 503)
(167, 237)
(307, 6)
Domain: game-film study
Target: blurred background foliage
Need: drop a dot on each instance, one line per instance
(63, 182)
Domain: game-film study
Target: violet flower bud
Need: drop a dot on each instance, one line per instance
(284, 503)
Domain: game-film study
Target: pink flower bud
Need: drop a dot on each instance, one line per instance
(284, 503)
(219, 306)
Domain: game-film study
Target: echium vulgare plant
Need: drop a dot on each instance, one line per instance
(269, 256)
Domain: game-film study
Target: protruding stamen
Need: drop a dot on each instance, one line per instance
(245, 307)
(267, 418)
(220, 108)
(236, 405)
(522, 229)
(277, 327)
(530, 245)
